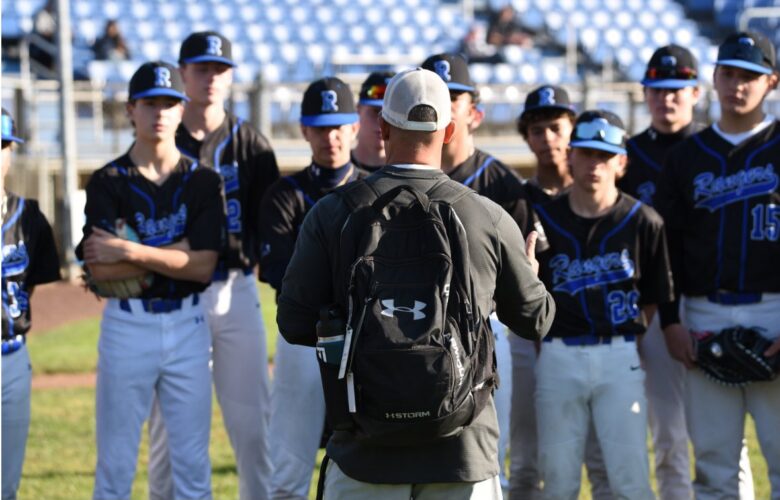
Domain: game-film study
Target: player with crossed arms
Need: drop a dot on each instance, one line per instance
(245, 161)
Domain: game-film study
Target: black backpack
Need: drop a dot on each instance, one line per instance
(418, 363)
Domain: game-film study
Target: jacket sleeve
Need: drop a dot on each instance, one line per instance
(308, 282)
(278, 231)
(522, 301)
(671, 204)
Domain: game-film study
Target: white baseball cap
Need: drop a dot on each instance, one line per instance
(415, 87)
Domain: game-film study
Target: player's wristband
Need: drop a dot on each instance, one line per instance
(669, 313)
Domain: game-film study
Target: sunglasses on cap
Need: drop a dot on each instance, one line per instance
(743, 51)
(599, 129)
(376, 91)
(671, 73)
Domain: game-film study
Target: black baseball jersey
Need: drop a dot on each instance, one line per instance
(247, 164)
(282, 211)
(721, 204)
(362, 166)
(492, 179)
(29, 259)
(602, 270)
(187, 205)
(646, 155)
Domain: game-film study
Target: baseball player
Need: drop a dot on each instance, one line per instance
(606, 265)
(719, 194)
(463, 162)
(29, 259)
(369, 154)
(159, 341)
(245, 161)
(671, 92)
(329, 124)
(546, 124)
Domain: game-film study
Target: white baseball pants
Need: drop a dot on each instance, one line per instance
(17, 380)
(240, 374)
(503, 395)
(138, 353)
(716, 413)
(603, 384)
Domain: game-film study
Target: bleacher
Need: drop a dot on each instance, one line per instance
(297, 40)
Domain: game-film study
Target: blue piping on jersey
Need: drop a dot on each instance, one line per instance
(145, 196)
(722, 161)
(645, 158)
(6, 226)
(576, 243)
(13, 218)
(743, 254)
(298, 188)
(603, 247)
(223, 144)
(178, 191)
(470, 179)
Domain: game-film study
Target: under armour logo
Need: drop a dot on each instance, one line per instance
(213, 45)
(162, 77)
(546, 96)
(746, 41)
(389, 309)
(668, 61)
(442, 68)
(329, 100)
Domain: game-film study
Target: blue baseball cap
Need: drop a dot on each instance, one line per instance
(206, 46)
(453, 69)
(671, 67)
(9, 128)
(748, 50)
(599, 129)
(328, 102)
(154, 79)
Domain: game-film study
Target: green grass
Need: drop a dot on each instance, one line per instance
(60, 459)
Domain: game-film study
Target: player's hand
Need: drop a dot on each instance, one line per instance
(103, 247)
(680, 344)
(773, 349)
(530, 250)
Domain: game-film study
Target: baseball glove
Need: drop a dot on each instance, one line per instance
(735, 356)
(124, 288)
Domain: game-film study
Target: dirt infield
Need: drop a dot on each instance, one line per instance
(59, 303)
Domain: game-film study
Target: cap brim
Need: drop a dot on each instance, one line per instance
(160, 93)
(329, 120)
(601, 146)
(561, 107)
(13, 138)
(377, 103)
(739, 63)
(216, 59)
(460, 87)
(669, 84)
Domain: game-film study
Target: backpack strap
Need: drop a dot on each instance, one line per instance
(448, 192)
(358, 193)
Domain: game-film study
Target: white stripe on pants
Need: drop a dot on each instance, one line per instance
(603, 383)
(17, 379)
(716, 413)
(139, 352)
(240, 374)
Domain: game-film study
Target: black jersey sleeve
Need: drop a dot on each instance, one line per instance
(205, 227)
(278, 232)
(102, 208)
(655, 284)
(671, 205)
(45, 264)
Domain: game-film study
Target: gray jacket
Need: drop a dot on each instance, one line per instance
(502, 276)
